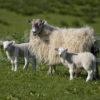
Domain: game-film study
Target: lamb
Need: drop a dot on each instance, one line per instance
(44, 38)
(84, 60)
(13, 51)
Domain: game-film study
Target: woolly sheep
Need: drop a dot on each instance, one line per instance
(13, 51)
(78, 60)
(44, 38)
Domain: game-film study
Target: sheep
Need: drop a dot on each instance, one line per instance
(13, 51)
(84, 60)
(44, 38)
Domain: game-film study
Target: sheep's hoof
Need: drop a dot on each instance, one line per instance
(48, 73)
(53, 72)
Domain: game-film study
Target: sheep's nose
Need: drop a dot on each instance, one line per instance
(34, 33)
(33, 30)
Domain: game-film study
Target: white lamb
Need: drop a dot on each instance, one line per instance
(13, 51)
(84, 60)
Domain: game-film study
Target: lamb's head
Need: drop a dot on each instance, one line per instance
(7, 44)
(37, 26)
(61, 51)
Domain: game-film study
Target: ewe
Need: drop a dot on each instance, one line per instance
(13, 51)
(44, 38)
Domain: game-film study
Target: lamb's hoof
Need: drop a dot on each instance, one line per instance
(88, 80)
(71, 79)
(12, 69)
(24, 68)
(15, 70)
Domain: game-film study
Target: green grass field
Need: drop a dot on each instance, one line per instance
(30, 85)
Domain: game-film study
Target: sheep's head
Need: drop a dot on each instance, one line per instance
(61, 50)
(37, 26)
(7, 44)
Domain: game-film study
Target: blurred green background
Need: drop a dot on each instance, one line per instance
(14, 15)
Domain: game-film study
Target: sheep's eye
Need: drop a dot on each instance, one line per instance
(36, 25)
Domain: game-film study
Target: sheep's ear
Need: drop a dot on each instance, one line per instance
(43, 21)
(66, 49)
(56, 49)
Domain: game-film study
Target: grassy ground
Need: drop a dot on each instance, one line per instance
(29, 85)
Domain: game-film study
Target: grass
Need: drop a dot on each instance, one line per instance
(29, 85)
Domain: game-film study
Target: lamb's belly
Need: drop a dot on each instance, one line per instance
(78, 65)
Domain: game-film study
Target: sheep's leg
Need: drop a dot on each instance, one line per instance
(90, 75)
(51, 70)
(34, 63)
(26, 63)
(71, 71)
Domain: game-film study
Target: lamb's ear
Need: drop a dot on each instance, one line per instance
(12, 42)
(56, 49)
(1, 44)
(29, 21)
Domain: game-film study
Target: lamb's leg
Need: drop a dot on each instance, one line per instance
(71, 71)
(26, 63)
(16, 64)
(77, 72)
(90, 75)
(12, 62)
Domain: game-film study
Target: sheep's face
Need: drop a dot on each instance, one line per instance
(37, 26)
(7, 44)
(60, 50)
